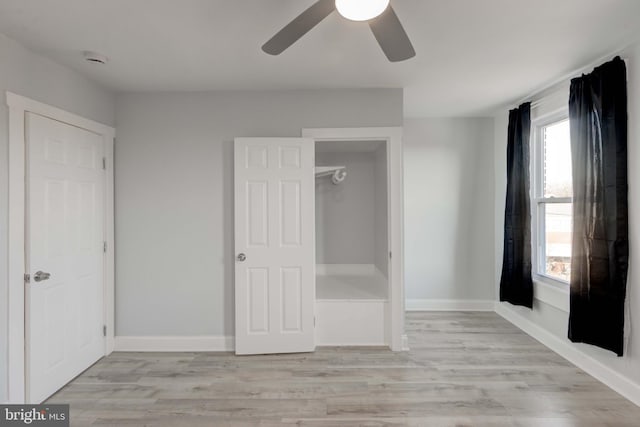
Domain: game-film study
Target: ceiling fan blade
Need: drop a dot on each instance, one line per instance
(299, 27)
(391, 36)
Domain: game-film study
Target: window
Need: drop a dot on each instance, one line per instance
(551, 202)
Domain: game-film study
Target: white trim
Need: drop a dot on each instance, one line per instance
(175, 343)
(569, 351)
(552, 294)
(26, 104)
(18, 106)
(449, 305)
(15, 279)
(553, 106)
(537, 191)
(393, 138)
(109, 237)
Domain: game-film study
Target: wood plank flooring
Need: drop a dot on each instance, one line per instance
(464, 369)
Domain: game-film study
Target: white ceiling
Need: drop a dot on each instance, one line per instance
(472, 55)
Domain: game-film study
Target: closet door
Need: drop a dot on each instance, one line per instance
(274, 242)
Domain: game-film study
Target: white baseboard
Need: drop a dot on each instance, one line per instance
(174, 343)
(449, 305)
(564, 348)
(569, 351)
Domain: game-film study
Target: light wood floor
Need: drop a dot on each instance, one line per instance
(464, 369)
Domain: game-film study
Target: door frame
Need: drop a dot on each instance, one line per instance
(395, 209)
(18, 107)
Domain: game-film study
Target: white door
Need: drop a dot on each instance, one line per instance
(275, 249)
(64, 227)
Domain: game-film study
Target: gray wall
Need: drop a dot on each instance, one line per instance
(449, 213)
(381, 209)
(348, 214)
(553, 319)
(174, 194)
(33, 76)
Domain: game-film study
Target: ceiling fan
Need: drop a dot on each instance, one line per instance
(379, 14)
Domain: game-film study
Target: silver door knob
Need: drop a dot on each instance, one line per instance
(241, 257)
(40, 276)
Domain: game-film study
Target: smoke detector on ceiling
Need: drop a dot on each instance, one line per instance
(95, 57)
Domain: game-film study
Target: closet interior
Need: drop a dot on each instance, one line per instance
(352, 250)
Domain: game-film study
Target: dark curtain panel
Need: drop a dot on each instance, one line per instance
(516, 285)
(600, 254)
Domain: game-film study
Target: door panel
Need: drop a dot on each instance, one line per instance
(258, 284)
(64, 235)
(274, 217)
(291, 280)
(291, 214)
(257, 214)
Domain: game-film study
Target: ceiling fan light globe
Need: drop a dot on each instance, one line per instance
(361, 10)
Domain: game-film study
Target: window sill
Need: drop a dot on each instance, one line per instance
(553, 294)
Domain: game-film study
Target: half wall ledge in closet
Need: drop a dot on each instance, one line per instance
(352, 287)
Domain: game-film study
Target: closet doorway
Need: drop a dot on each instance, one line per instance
(352, 251)
(318, 241)
(359, 237)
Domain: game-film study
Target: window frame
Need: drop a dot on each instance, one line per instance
(538, 201)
